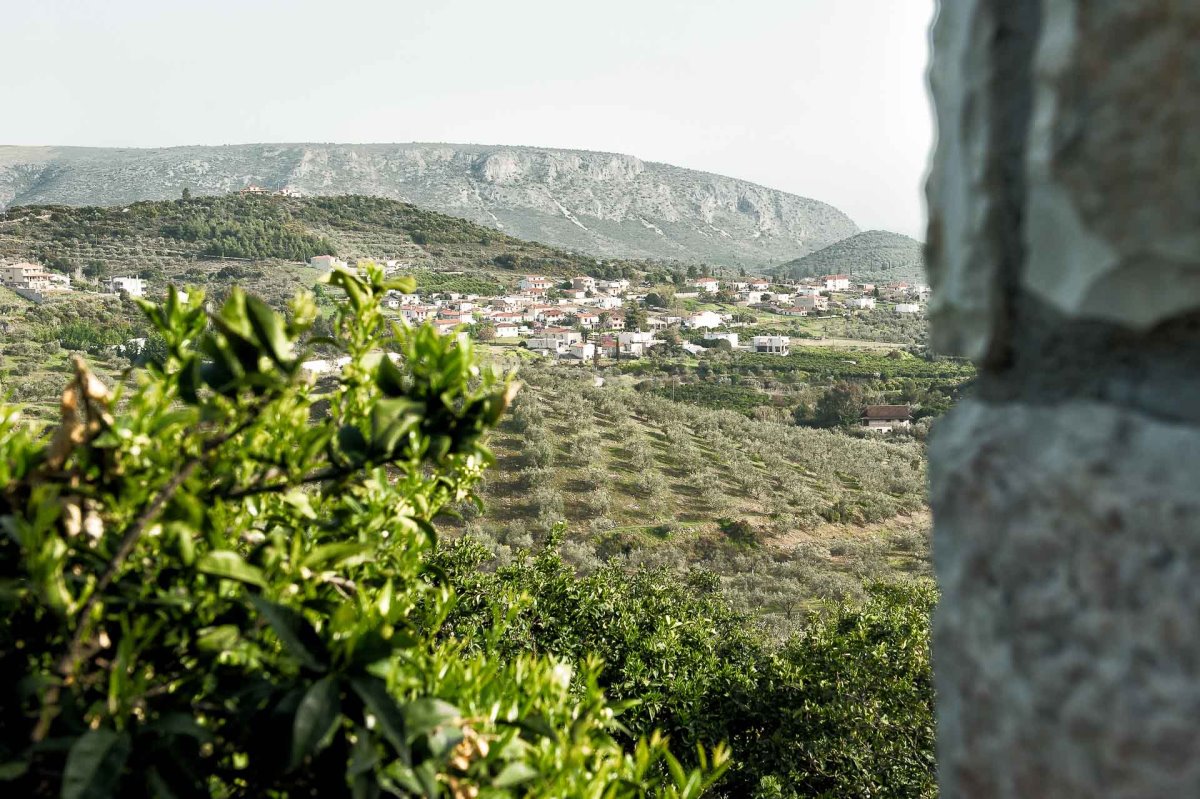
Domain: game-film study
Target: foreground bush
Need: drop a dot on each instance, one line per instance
(843, 709)
(208, 588)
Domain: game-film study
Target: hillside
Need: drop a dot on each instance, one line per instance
(786, 515)
(263, 242)
(602, 203)
(873, 255)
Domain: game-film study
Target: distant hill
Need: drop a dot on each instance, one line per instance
(600, 203)
(873, 254)
(260, 242)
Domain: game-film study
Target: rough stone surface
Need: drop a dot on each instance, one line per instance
(1064, 253)
(1114, 202)
(1067, 544)
(982, 55)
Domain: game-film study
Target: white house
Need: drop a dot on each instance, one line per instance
(536, 282)
(885, 418)
(704, 319)
(775, 345)
(556, 340)
(836, 282)
(133, 286)
(908, 307)
(32, 277)
(708, 285)
(583, 283)
(732, 338)
(326, 262)
(863, 303)
(616, 287)
(812, 303)
(507, 330)
(635, 343)
(581, 351)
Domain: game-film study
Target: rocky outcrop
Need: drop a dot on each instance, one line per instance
(1064, 252)
(603, 203)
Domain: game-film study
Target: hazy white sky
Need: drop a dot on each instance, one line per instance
(823, 98)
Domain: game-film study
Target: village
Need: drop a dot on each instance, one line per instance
(583, 318)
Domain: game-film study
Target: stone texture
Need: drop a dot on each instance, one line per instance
(982, 54)
(1114, 202)
(1064, 250)
(1067, 544)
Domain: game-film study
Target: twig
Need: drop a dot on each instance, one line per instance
(74, 651)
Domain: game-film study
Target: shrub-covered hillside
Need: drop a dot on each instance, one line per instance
(250, 239)
(876, 255)
(785, 516)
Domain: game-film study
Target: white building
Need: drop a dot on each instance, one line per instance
(863, 303)
(326, 262)
(732, 338)
(812, 303)
(705, 319)
(616, 287)
(581, 351)
(536, 283)
(774, 345)
(133, 286)
(908, 307)
(709, 285)
(32, 277)
(836, 282)
(885, 418)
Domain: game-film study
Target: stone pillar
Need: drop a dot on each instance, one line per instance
(1064, 252)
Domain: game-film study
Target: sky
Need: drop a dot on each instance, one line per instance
(822, 98)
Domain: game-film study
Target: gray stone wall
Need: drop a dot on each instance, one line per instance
(1064, 251)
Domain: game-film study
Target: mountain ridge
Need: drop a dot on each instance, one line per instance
(609, 204)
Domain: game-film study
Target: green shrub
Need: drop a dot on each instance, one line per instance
(212, 591)
(843, 709)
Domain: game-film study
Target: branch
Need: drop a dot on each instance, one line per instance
(66, 664)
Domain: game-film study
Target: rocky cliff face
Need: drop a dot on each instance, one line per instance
(603, 203)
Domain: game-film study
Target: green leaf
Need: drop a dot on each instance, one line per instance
(181, 724)
(514, 773)
(94, 764)
(388, 718)
(297, 635)
(534, 726)
(390, 379)
(319, 711)
(352, 443)
(423, 715)
(221, 638)
(342, 553)
(269, 329)
(230, 565)
(13, 769)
